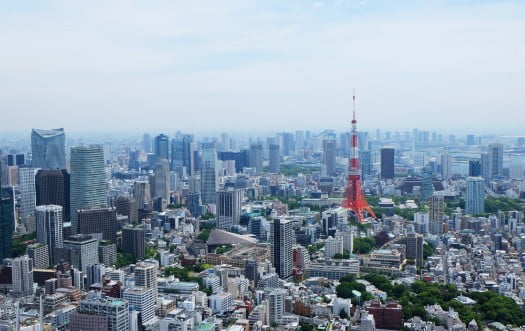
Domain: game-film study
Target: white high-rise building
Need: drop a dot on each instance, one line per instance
(22, 273)
(144, 300)
(333, 246)
(475, 196)
(282, 240)
(228, 208)
(276, 306)
(49, 228)
(209, 182)
(146, 276)
(348, 240)
(88, 180)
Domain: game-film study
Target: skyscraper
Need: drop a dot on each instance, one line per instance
(228, 208)
(281, 239)
(22, 274)
(275, 159)
(7, 220)
(133, 241)
(162, 180)
(256, 157)
(128, 207)
(426, 183)
(495, 159)
(98, 220)
(387, 163)
(52, 188)
(188, 154)
(446, 165)
(146, 276)
(49, 228)
(88, 180)
(48, 148)
(475, 196)
(162, 143)
(209, 183)
(26, 178)
(276, 305)
(142, 194)
(437, 207)
(82, 250)
(177, 155)
(485, 167)
(146, 142)
(329, 156)
(474, 168)
(414, 248)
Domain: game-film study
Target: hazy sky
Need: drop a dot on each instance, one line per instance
(262, 65)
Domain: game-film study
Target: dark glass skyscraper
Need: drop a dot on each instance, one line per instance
(387, 163)
(52, 188)
(7, 221)
(48, 149)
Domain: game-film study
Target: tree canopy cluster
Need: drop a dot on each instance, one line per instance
(489, 306)
(364, 245)
(348, 284)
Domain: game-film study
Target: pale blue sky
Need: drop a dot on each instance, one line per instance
(262, 65)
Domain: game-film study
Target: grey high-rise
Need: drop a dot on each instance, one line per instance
(49, 229)
(228, 208)
(209, 183)
(475, 196)
(256, 157)
(88, 180)
(26, 179)
(495, 159)
(48, 148)
(329, 156)
(162, 147)
(162, 179)
(275, 159)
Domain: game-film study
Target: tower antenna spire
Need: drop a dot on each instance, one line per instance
(353, 106)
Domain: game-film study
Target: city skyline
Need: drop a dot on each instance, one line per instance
(288, 65)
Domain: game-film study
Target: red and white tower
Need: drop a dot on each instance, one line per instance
(354, 198)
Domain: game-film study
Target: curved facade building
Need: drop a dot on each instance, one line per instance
(87, 179)
(48, 148)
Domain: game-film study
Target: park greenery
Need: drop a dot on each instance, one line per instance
(205, 231)
(223, 249)
(20, 244)
(345, 255)
(364, 245)
(124, 259)
(313, 248)
(295, 169)
(347, 285)
(489, 306)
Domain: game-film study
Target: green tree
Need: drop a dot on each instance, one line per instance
(364, 245)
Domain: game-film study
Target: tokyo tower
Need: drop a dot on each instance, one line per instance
(354, 198)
